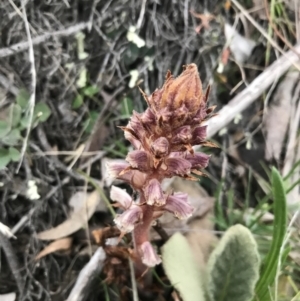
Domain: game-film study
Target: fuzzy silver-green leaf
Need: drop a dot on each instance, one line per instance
(181, 268)
(234, 266)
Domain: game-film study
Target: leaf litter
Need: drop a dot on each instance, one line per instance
(76, 221)
(62, 244)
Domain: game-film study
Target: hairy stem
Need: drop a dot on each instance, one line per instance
(141, 235)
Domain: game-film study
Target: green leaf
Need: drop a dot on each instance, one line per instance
(78, 101)
(4, 158)
(4, 128)
(234, 266)
(12, 137)
(23, 98)
(24, 123)
(90, 91)
(181, 268)
(127, 106)
(90, 122)
(15, 112)
(14, 154)
(131, 54)
(42, 111)
(268, 271)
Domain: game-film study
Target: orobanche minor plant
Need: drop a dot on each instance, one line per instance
(162, 137)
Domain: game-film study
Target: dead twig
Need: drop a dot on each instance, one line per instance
(277, 32)
(12, 262)
(241, 101)
(22, 46)
(92, 268)
(8, 85)
(264, 33)
(33, 85)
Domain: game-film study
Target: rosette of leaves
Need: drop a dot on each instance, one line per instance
(14, 119)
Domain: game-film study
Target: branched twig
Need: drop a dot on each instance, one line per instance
(241, 101)
(19, 47)
(33, 84)
(8, 85)
(264, 33)
(12, 262)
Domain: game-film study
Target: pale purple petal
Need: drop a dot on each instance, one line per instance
(199, 134)
(127, 220)
(121, 196)
(135, 143)
(136, 125)
(182, 135)
(178, 205)
(198, 160)
(154, 194)
(148, 119)
(148, 254)
(177, 166)
(160, 147)
(139, 159)
(116, 167)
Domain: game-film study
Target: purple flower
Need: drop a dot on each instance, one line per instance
(132, 139)
(177, 166)
(182, 135)
(199, 135)
(160, 147)
(154, 194)
(116, 167)
(198, 160)
(121, 196)
(122, 170)
(139, 159)
(178, 205)
(148, 254)
(127, 220)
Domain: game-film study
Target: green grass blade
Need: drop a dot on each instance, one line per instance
(268, 270)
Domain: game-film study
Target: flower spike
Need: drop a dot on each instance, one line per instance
(163, 138)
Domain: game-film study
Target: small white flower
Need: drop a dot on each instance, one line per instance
(134, 38)
(32, 191)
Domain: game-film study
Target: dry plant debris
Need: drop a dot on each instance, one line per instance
(76, 221)
(63, 244)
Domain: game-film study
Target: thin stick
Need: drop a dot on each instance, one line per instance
(8, 85)
(33, 84)
(277, 32)
(133, 281)
(241, 101)
(141, 17)
(12, 262)
(19, 47)
(91, 270)
(263, 32)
